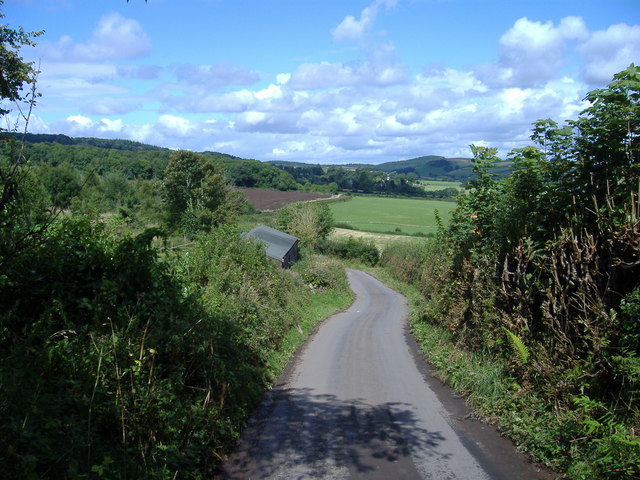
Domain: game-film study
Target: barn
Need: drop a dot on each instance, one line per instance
(280, 246)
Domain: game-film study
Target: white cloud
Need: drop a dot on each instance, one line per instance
(144, 72)
(173, 125)
(532, 52)
(609, 51)
(353, 29)
(253, 117)
(79, 69)
(115, 37)
(195, 100)
(107, 125)
(273, 123)
(81, 125)
(311, 76)
(238, 101)
(272, 91)
(283, 78)
(80, 121)
(110, 106)
(219, 74)
(57, 89)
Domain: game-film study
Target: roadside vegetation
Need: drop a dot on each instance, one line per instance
(532, 293)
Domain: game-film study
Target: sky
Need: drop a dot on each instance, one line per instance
(321, 81)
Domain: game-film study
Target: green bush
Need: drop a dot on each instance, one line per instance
(352, 248)
(116, 363)
(405, 260)
(234, 278)
(309, 221)
(321, 273)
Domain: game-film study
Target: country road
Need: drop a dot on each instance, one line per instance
(358, 402)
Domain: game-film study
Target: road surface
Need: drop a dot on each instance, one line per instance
(358, 403)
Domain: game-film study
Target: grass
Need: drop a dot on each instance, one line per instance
(433, 185)
(380, 240)
(391, 215)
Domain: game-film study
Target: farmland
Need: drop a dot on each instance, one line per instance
(434, 185)
(265, 200)
(391, 215)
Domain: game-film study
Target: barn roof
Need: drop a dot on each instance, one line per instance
(277, 243)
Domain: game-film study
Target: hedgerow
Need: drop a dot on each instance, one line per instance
(539, 273)
(119, 362)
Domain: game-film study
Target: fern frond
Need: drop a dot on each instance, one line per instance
(518, 347)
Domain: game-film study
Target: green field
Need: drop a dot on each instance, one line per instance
(433, 185)
(391, 215)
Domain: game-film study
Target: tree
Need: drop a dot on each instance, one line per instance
(22, 216)
(15, 72)
(309, 222)
(62, 183)
(608, 134)
(363, 180)
(196, 193)
(116, 189)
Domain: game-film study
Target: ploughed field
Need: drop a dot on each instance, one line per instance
(274, 199)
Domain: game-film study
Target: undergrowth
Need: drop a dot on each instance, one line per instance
(588, 439)
(118, 362)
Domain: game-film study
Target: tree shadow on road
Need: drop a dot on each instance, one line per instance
(299, 434)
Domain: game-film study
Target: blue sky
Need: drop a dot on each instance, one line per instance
(329, 81)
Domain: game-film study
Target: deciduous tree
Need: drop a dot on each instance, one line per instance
(309, 222)
(196, 193)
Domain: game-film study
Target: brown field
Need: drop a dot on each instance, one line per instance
(274, 199)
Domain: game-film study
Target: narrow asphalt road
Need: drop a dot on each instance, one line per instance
(358, 402)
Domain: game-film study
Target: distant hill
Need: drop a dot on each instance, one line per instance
(142, 161)
(433, 166)
(107, 143)
(284, 163)
(429, 166)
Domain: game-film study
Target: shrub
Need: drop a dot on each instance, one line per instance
(321, 273)
(352, 248)
(309, 221)
(117, 363)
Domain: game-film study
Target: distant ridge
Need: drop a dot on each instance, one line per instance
(433, 167)
(428, 166)
(113, 144)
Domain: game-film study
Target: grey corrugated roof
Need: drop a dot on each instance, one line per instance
(278, 243)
